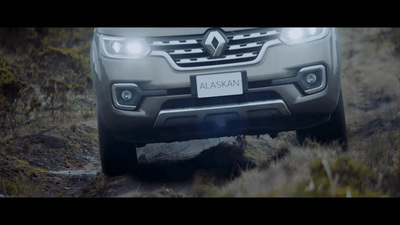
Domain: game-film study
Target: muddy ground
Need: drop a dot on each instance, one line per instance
(61, 158)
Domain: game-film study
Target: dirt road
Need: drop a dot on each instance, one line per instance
(66, 155)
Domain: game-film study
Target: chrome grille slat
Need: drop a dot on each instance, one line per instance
(254, 35)
(250, 45)
(174, 42)
(228, 57)
(188, 52)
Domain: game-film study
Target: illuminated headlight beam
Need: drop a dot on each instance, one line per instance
(293, 36)
(124, 48)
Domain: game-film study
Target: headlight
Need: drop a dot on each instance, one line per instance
(124, 48)
(292, 36)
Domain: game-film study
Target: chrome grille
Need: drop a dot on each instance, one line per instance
(188, 52)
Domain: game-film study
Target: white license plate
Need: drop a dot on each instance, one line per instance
(215, 85)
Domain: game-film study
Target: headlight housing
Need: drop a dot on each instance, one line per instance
(293, 36)
(124, 47)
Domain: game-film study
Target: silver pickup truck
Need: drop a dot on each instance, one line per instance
(175, 84)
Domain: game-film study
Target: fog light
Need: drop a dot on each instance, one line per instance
(126, 95)
(311, 78)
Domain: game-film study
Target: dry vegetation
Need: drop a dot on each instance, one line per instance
(47, 123)
(45, 98)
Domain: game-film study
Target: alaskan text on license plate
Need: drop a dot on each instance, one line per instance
(215, 85)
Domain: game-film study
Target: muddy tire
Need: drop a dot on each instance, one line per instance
(117, 157)
(333, 130)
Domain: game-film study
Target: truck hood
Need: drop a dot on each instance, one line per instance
(158, 31)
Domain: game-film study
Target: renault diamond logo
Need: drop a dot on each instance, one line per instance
(215, 42)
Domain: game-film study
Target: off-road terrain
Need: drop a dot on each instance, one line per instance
(57, 154)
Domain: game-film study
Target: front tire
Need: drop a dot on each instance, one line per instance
(333, 130)
(117, 157)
